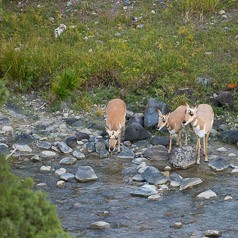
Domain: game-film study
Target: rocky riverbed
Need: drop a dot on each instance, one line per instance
(140, 192)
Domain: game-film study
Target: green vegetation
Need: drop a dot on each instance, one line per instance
(23, 212)
(103, 51)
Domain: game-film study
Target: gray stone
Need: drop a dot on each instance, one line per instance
(67, 176)
(151, 112)
(175, 180)
(218, 164)
(126, 153)
(24, 139)
(71, 141)
(60, 171)
(189, 182)
(226, 99)
(81, 136)
(48, 153)
(230, 137)
(157, 153)
(90, 147)
(35, 158)
(160, 140)
(22, 148)
(78, 154)
(203, 81)
(207, 194)
(64, 147)
(135, 132)
(138, 178)
(4, 150)
(139, 160)
(182, 157)
(145, 191)
(126, 2)
(85, 174)
(68, 161)
(154, 176)
(43, 145)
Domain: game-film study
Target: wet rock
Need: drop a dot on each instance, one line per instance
(160, 140)
(22, 148)
(24, 139)
(230, 137)
(207, 194)
(154, 197)
(142, 144)
(43, 145)
(228, 198)
(151, 112)
(64, 147)
(71, 141)
(145, 191)
(100, 225)
(218, 164)
(154, 176)
(213, 233)
(103, 213)
(4, 150)
(67, 177)
(85, 174)
(234, 171)
(139, 160)
(101, 148)
(182, 157)
(78, 154)
(141, 167)
(189, 182)
(135, 132)
(157, 153)
(60, 183)
(68, 161)
(60, 171)
(177, 225)
(81, 136)
(175, 180)
(126, 153)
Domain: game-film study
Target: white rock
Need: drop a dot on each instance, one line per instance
(7, 129)
(45, 168)
(222, 149)
(60, 183)
(234, 171)
(232, 155)
(62, 127)
(41, 184)
(228, 198)
(154, 197)
(167, 168)
(221, 12)
(48, 153)
(207, 194)
(153, 11)
(100, 225)
(177, 224)
(60, 171)
(22, 148)
(163, 187)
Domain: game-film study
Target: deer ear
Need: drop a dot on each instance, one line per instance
(117, 132)
(160, 113)
(187, 105)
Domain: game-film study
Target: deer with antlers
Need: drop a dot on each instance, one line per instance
(201, 118)
(173, 122)
(115, 121)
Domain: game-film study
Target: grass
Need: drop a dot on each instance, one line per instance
(102, 53)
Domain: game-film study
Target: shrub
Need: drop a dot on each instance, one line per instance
(23, 212)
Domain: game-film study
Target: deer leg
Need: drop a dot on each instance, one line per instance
(119, 142)
(205, 146)
(170, 143)
(198, 150)
(186, 137)
(179, 141)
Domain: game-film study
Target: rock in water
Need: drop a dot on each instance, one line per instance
(219, 164)
(85, 174)
(189, 182)
(207, 194)
(154, 176)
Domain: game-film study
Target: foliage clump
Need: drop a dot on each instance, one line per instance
(23, 212)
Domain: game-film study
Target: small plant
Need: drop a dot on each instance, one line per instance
(25, 213)
(3, 93)
(201, 6)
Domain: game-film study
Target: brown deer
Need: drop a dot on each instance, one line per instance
(115, 121)
(201, 118)
(173, 122)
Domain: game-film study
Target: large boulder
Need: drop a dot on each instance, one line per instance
(151, 112)
(226, 99)
(135, 131)
(230, 137)
(182, 157)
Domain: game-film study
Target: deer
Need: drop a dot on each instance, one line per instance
(173, 122)
(201, 118)
(115, 122)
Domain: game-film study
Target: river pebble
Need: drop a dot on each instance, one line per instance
(68, 161)
(228, 198)
(154, 176)
(145, 191)
(60, 171)
(100, 225)
(45, 168)
(22, 148)
(213, 233)
(67, 176)
(189, 182)
(64, 147)
(85, 174)
(218, 164)
(207, 194)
